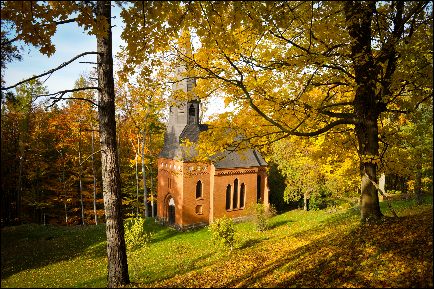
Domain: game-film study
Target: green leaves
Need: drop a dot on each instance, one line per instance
(223, 232)
(136, 236)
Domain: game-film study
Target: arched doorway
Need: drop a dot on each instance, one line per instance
(171, 211)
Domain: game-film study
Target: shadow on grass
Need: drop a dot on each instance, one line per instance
(279, 223)
(183, 267)
(93, 283)
(353, 259)
(32, 246)
(250, 243)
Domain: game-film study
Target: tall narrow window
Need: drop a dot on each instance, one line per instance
(235, 196)
(258, 189)
(191, 114)
(228, 197)
(198, 190)
(242, 195)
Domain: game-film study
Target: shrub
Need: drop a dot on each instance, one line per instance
(135, 234)
(321, 199)
(223, 232)
(261, 215)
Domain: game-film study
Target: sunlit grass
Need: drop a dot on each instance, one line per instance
(300, 249)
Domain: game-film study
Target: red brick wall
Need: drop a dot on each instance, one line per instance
(170, 181)
(227, 176)
(182, 187)
(194, 172)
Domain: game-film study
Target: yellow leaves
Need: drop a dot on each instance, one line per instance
(373, 159)
(101, 27)
(35, 22)
(402, 119)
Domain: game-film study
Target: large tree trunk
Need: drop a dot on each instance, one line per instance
(116, 249)
(367, 135)
(358, 17)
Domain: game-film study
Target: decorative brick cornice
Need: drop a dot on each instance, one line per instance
(197, 173)
(262, 169)
(237, 172)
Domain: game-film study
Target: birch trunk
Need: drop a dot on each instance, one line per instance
(116, 250)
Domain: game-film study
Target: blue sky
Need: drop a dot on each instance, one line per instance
(71, 40)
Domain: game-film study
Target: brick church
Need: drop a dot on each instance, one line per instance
(191, 193)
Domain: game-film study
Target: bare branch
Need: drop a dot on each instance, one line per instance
(50, 71)
(58, 96)
(65, 21)
(280, 36)
(89, 156)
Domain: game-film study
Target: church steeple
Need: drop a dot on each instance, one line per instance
(183, 114)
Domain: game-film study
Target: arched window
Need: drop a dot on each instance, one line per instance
(235, 196)
(228, 197)
(242, 195)
(258, 189)
(198, 190)
(192, 114)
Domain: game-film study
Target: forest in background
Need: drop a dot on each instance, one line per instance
(51, 169)
(51, 165)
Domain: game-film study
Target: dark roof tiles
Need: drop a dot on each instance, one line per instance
(226, 159)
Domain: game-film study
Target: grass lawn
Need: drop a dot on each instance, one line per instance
(301, 249)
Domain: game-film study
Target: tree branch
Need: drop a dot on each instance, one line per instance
(63, 92)
(50, 71)
(382, 193)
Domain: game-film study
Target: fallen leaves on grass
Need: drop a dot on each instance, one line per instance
(396, 252)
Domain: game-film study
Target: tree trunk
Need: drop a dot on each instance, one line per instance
(367, 135)
(152, 193)
(151, 177)
(116, 250)
(94, 179)
(366, 107)
(145, 190)
(137, 178)
(63, 187)
(22, 142)
(19, 184)
(306, 201)
(79, 179)
(418, 181)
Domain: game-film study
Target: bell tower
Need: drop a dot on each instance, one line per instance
(182, 113)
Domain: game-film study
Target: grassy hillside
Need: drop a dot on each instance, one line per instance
(301, 249)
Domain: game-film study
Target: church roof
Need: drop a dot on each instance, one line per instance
(239, 159)
(223, 160)
(192, 130)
